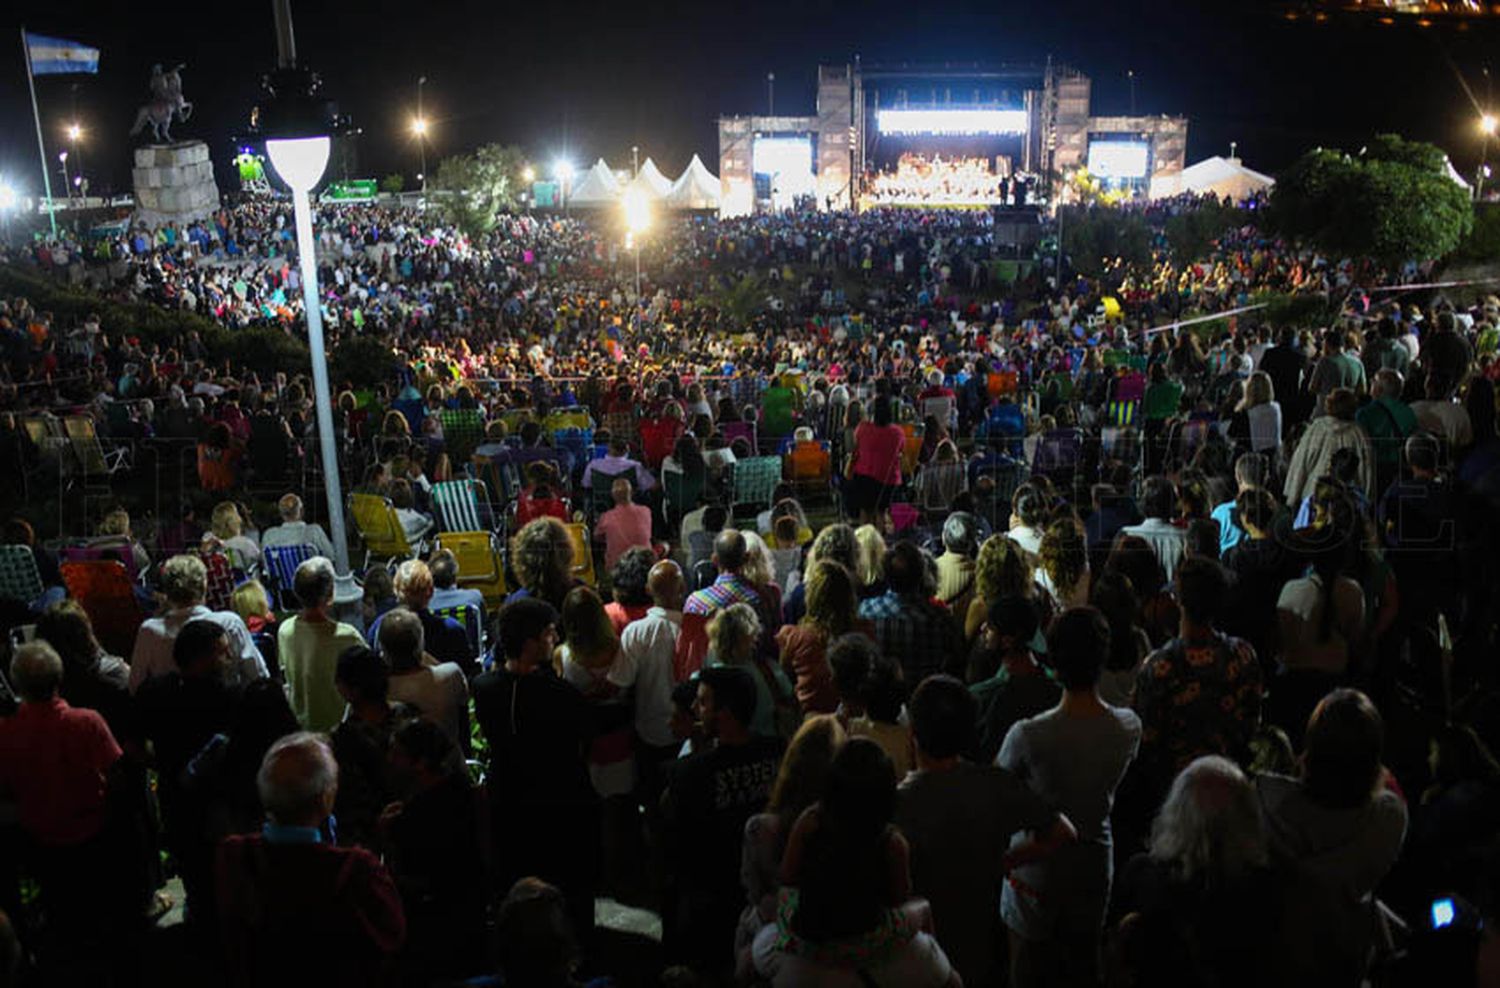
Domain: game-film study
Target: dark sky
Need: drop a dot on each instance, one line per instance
(593, 80)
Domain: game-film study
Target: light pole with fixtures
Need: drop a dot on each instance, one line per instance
(1487, 126)
(419, 130)
(562, 170)
(298, 142)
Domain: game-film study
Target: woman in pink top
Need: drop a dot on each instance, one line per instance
(875, 468)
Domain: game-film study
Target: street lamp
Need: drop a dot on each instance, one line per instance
(67, 182)
(1487, 126)
(301, 161)
(562, 170)
(419, 129)
(637, 221)
(74, 132)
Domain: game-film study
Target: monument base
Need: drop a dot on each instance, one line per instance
(174, 183)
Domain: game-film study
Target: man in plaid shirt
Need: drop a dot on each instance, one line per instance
(909, 626)
(729, 588)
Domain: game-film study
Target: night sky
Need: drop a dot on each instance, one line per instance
(572, 78)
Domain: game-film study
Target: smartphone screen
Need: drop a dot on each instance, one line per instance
(1442, 913)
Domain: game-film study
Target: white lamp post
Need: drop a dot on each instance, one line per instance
(637, 220)
(300, 161)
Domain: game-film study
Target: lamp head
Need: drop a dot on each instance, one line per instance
(563, 169)
(74, 132)
(297, 122)
(419, 127)
(299, 161)
(7, 196)
(1488, 124)
(637, 210)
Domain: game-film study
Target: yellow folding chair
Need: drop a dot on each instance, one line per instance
(583, 553)
(380, 528)
(481, 566)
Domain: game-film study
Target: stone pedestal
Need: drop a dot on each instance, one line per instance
(174, 183)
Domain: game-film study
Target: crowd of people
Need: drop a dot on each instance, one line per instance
(905, 629)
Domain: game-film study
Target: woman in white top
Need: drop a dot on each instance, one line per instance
(1028, 516)
(590, 660)
(1063, 569)
(1257, 417)
(1321, 616)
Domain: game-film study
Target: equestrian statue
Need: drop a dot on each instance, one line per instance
(166, 101)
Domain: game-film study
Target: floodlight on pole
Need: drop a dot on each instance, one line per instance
(637, 220)
(8, 197)
(1488, 124)
(74, 132)
(419, 127)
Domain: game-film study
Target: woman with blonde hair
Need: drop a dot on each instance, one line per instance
(871, 560)
(734, 640)
(227, 525)
(1256, 423)
(799, 784)
(1003, 569)
(114, 530)
(589, 658)
(760, 570)
(251, 602)
(832, 610)
(542, 555)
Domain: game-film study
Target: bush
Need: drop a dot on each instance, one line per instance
(363, 362)
(264, 349)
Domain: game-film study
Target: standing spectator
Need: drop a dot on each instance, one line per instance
(1063, 564)
(1387, 420)
(294, 531)
(628, 579)
(849, 869)
(646, 650)
(1073, 757)
(734, 637)
(542, 554)
(1286, 363)
(56, 764)
(438, 690)
(874, 468)
(361, 744)
(1336, 368)
(731, 554)
(1330, 433)
(1441, 414)
(1256, 423)
(308, 646)
(832, 611)
(294, 907)
(1013, 685)
(956, 566)
(624, 526)
(544, 814)
(710, 795)
(1251, 471)
(432, 840)
(1340, 824)
(1200, 693)
(882, 698)
(959, 818)
(1167, 539)
(618, 461)
(909, 627)
(184, 582)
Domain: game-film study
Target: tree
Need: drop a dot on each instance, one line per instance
(393, 183)
(474, 188)
(1192, 232)
(1093, 236)
(1393, 202)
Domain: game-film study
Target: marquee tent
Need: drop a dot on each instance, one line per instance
(1220, 176)
(697, 188)
(597, 187)
(651, 181)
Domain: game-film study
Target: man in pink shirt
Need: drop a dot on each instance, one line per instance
(624, 526)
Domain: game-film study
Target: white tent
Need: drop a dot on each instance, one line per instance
(698, 188)
(1220, 176)
(597, 187)
(651, 181)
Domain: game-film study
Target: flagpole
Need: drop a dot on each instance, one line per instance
(37, 116)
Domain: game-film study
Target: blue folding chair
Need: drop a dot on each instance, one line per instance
(473, 624)
(281, 562)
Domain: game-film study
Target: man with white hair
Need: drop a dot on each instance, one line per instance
(308, 645)
(184, 581)
(294, 531)
(445, 639)
(294, 907)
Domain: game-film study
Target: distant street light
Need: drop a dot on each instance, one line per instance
(637, 221)
(74, 132)
(1487, 125)
(562, 170)
(419, 128)
(528, 173)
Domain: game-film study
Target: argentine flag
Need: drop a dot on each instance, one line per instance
(54, 56)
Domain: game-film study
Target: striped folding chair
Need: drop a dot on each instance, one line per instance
(461, 505)
(19, 578)
(221, 580)
(280, 563)
(463, 431)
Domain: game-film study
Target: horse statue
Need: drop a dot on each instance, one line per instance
(166, 101)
